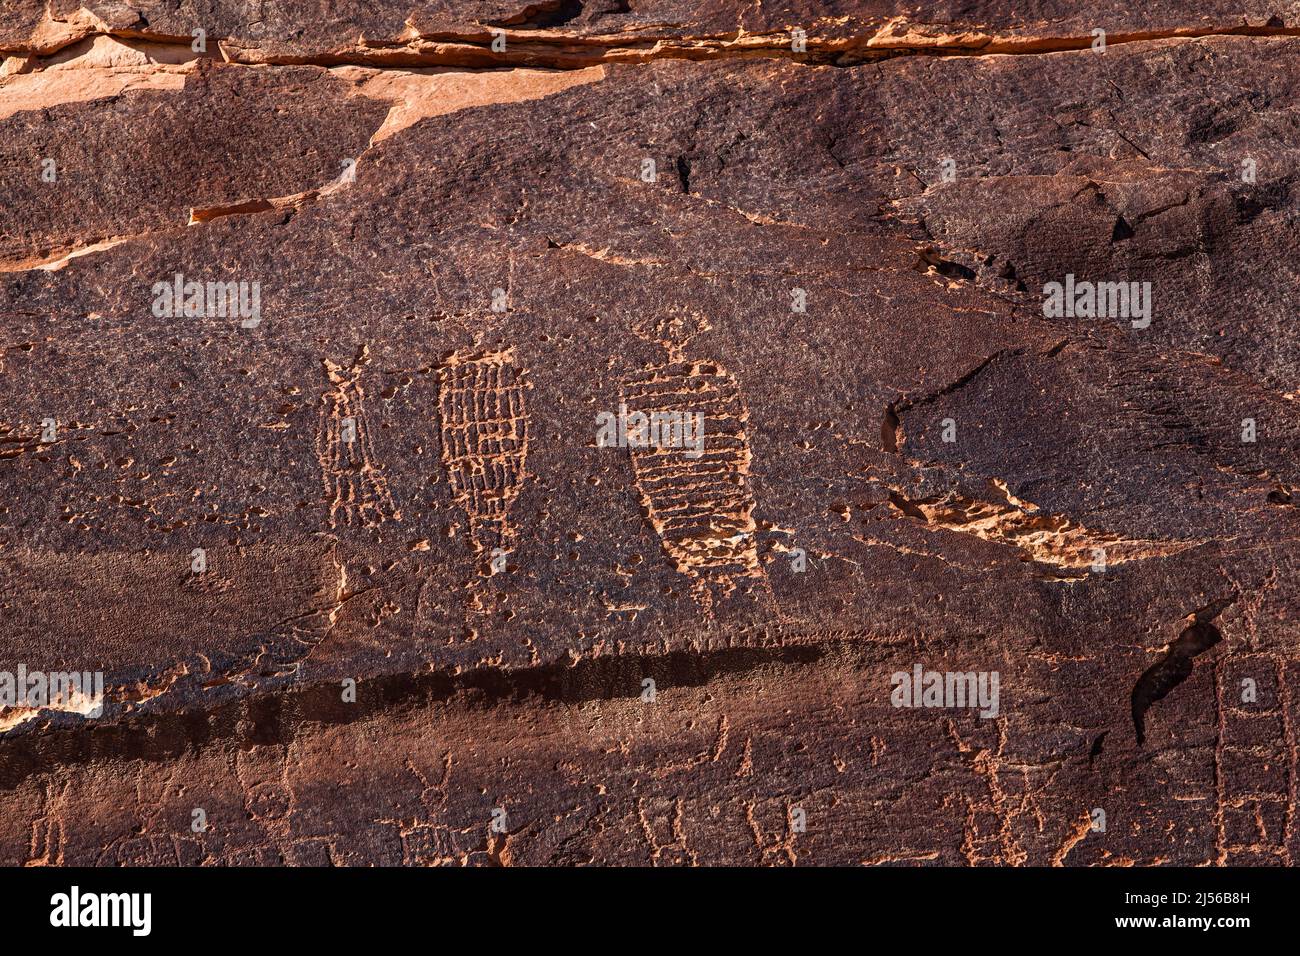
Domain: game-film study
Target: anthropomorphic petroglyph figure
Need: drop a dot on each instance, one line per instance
(354, 482)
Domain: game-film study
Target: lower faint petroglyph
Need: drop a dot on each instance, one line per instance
(46, 846)
(263, 774)
(699, 502)
(989, 834)
(661, 823)
(777, 849)
(484, 439)
(354, 482)
(1254, 760)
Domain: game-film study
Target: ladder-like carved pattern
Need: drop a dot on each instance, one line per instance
(1254, 762)
(484, 440)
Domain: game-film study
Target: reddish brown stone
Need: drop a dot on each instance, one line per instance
(394, 476)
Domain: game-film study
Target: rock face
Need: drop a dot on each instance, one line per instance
(323, 341)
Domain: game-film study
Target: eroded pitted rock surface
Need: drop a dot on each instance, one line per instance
(366, 587)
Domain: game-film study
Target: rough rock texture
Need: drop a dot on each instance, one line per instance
(394, 476)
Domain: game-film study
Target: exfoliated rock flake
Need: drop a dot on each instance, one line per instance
(649, 433)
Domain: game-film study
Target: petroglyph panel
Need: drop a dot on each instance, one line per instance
(839, 272)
